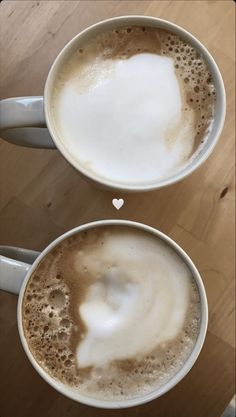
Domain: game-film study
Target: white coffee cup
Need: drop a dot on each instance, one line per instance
(27, 121)
(15, 272)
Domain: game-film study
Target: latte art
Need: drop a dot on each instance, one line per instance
(129, 298)
(112, 312)
(134, 105)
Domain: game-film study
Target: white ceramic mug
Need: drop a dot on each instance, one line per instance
(16, 272)
(28, 121)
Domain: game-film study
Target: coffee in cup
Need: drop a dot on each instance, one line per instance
(112, 312)
(133, 105)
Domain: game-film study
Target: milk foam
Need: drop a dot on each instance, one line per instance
(134, 105)
(118, 125)
(136, 304)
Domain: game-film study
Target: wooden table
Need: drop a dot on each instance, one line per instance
(42, 196)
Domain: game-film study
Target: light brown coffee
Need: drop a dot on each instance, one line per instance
(112, 312)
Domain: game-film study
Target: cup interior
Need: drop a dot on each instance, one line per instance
(101, 27)
(177, 377)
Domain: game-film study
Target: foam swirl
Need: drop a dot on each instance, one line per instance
(135, 305)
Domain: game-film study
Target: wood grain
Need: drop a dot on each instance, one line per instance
(41, 196)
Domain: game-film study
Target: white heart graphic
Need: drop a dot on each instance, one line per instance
(118, 203)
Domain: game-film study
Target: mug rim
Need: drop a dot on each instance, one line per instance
(218, 118)
(155, 393)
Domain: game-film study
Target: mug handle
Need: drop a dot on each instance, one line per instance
(22, 122)
(14, 265)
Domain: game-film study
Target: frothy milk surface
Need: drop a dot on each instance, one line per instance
(112, 312)
(133, 105)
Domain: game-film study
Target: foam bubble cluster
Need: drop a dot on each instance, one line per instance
(47, 320)
(140, 351)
